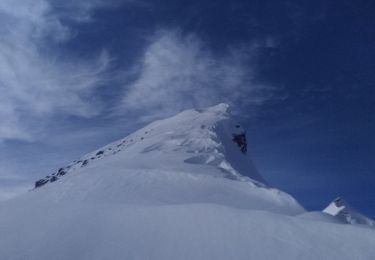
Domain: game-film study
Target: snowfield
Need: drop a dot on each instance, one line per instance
(180, 188)
(184, 231)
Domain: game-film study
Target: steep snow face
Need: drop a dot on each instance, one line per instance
(342, 211)
(193, 157)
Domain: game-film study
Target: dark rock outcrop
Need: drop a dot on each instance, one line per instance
(240, 140)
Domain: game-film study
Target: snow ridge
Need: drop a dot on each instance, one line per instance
(197, 156)
(209, 136)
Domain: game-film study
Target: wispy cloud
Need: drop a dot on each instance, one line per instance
(36, 81)
(179, 71)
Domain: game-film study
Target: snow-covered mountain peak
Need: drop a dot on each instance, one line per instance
(342, 210)
(208, 137)
(179, 188)
(195, 156)
(222, 108)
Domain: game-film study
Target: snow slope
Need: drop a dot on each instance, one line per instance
(180, 188)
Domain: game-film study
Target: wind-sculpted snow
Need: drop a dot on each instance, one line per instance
(180, 188)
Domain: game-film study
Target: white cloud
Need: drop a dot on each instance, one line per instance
(36, 82)
(179, 71)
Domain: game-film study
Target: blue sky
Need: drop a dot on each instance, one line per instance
(76, 75)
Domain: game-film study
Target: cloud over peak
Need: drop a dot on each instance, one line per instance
(176, 71)
(179, 71)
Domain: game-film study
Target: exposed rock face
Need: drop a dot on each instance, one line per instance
(40, 182)
(240, 140)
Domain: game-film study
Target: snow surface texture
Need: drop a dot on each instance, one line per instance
(180, 188)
